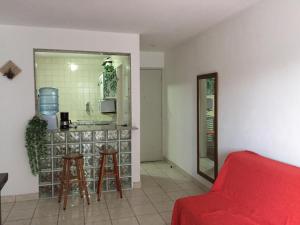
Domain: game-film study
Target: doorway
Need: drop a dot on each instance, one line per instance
(151, 115)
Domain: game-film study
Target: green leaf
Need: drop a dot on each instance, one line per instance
(36, 139)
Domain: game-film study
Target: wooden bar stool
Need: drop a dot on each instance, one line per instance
(66, 177)
(102, 171)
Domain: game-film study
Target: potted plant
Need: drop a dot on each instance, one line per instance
(110, 79)
(36, 139)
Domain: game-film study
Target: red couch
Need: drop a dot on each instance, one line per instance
(250, 190)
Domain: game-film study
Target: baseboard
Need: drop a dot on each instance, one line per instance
(137, 185)
(194, 180)
(19, 198)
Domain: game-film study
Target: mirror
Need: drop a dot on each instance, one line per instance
(207, 148)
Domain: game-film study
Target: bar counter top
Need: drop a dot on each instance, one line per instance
(94, 127)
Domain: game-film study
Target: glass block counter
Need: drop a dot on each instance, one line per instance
(87, 141)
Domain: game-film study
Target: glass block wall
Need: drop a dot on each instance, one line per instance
(89, 144)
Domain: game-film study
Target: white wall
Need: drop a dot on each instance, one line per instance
(17, 96)
(152, 60)
(257, 56)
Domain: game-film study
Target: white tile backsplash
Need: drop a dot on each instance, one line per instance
(76, 88)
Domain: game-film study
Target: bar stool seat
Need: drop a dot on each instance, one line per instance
(66, 177)
(104, 153)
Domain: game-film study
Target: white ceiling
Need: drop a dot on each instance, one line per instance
(161, 23)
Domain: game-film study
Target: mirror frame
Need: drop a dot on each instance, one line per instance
(201, 77)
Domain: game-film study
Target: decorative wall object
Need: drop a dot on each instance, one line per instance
(10, 70)
(36, 140)
(207, 126)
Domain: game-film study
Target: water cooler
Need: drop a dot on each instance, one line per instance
(48, 104)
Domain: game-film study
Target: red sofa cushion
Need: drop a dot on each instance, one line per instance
(250, 190)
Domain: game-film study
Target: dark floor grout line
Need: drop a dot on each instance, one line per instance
(11, 208)
(110, 218)
(58, 214)
(34, 211)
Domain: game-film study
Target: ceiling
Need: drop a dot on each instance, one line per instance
(161, 23)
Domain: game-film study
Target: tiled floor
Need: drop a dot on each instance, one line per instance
(150, 205)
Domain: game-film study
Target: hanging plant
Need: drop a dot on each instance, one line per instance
(110, 80)
(36, 139)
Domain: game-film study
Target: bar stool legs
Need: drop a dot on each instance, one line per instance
(67, 183)
(103, 172)
(84, 183)
(101, 175)
(66, 178)
(117, 176)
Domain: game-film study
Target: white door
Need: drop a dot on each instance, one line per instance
(151, 115)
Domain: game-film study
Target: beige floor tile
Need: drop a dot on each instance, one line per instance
(144, 172)
(8, 199)
(149, 183)
(101, 222)
(152, 219)
(118, 213)
(181, 179)
(164, 181)
(48, 203)
(174, 195)
(20, 214)
(171, 187)
(155, 197)
(6, 206)
(139, 201)
(48, 220)
(108, 196)
(135, 193)
(144, 209)
(117, 203)
(148, 166)
(25, 205)
(157, 173)
(4, 215)
(73, 201)
(72, 209)
(46, 211)
(27, 197)
(167, 217)
(152, 190)
(125, 221)
(70, 222)
(197, 191)
(18, 222)
(101, 213)
(71, 219)
(94, 199)
(188, 186)
(175, 175)
(164, 206)
(95, 207)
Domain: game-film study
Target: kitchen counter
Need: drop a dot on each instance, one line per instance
(87, 140)
(94, 128)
